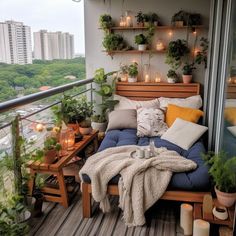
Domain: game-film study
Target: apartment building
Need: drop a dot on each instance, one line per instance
(15, 43)
(53, 45)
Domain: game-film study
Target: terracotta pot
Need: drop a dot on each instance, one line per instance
(132, 79)
(179, 23)
(225, 199)
(50, 156)
(142, 47)
(187, 79)
(99, 126)
(85, 131)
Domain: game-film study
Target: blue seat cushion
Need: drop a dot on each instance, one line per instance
(196, 180)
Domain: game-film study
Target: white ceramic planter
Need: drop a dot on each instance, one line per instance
(132, 79)
(85, 131)
(142, 47)
(171, 80)
(226, 199)
(101, 127)
(187, 79)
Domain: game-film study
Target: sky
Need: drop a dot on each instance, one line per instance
(52, 15)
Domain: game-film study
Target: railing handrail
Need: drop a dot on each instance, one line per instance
(6, 106)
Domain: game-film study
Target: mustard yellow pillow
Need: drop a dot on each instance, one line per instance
(188, 114)
(230, 115)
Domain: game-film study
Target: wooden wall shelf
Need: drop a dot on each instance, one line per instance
(133, 52)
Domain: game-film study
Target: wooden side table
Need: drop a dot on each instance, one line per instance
(59, 194)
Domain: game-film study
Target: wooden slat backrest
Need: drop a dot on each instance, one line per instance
(231, 91)
(148, 91)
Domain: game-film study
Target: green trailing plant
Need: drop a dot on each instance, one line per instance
(140, 17)
(154, 17)
(140, 39)
(201, 57)
(113, 42)
(176, 51)
(188, 68)
(105, 91)
(133, 70)
(51, 143)
(172, 74)
(105, 21)
(180, 16)
(222, 170)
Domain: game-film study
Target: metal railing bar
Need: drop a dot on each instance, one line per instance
(45, 108)
(5, 106)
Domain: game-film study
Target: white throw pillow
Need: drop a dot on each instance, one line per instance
(184, 133)
(232, 130)
(125, 103)
(194, 102)
(230, 102)
(150, 122)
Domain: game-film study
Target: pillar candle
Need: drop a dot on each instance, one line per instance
(147, 78)
(201, 228)
(186, 218)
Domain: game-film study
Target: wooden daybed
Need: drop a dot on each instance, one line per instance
(148, 91)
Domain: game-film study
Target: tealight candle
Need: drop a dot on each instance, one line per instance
(157, 79)
(160, 46)
(186, 218)
(128, 21)
(201, 228)
(147, 79)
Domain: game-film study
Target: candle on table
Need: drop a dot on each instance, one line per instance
(147, 78)
(159, 46)
(186, 218)
(201, 228)
(128, 21)
(158, 79)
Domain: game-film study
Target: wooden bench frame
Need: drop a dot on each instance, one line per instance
(148, 91)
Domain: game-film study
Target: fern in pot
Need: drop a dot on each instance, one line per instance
(188, 72)
(223, 171)
(141, 41)
(133, 72)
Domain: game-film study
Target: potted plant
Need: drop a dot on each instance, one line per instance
(105, 22)
(141, 41)
(105, 90)
(51, 149)
(223, 171)
(172, 77)
(194, 19)
(123, 73)
(188, 72)
(154, 19)
(180, 18)
(140, 19)
(175, 52)
(133, 72)
(146, 19)
(85, 127)
(113, 42)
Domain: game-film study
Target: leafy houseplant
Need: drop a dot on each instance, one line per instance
(140, 19)
(172, 77)
(123, 73)
(154, 19)
(147, 20)
(223, 171)
(105, 21)
(176, 50)
(105, 91)
(141, 41)
(188, 72)
(113, 42)
(194, 19)
(133, 72)
(180, 18)
(51, 149)
(85, 127)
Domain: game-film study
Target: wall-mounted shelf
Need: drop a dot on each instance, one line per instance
(133, 52)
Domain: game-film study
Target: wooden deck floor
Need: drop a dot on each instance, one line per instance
(162, 220)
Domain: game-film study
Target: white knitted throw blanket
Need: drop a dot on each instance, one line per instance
(142, 181)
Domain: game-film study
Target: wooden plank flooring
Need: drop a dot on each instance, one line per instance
(162, 220)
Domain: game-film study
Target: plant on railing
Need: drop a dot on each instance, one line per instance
(105, 91)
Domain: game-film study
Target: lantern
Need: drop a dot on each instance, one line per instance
(160, 46)
(128, 18)
(158, 78)
(122, 21)
(146, 73)
(67, 140)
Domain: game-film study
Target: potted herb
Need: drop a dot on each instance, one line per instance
(140, 19)
(50, 151)
(172, 77)
(105, 21)
(147, 20)
(133, 72)
(223, 171)
(105, 90)
(188, 72)
(85, 127)
(179, 19)
(154, 19)
(175, 52)
(113, 42)
(141, 41)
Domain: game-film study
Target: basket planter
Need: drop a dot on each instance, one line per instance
(85, 131)
(226, 199)
(50, 156)
(101, 127)
(142, 47)
(187, 79)
(171, 80)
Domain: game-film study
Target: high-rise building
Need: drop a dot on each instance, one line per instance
(53, 45)
(15, 43)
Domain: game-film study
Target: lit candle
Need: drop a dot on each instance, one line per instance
(201, 228)
(157, 79)
(128, 21)
(159, 46)
(147, 78)
(170, 33)
(39, 127)
(186, 218)
(124, 77)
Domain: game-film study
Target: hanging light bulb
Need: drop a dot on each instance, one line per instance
(39, 127)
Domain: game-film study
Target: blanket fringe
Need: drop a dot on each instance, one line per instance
(105, 205)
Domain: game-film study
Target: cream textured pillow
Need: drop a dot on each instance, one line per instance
(122, 119)
(184, 133)
(150, 122)
(194, 102)
(125, 103)
(232, 130)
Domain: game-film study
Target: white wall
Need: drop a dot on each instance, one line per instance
(95, 58)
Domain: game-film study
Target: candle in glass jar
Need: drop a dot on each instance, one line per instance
(147, 79)
(201, 228)
(158, 79)
(186, 218)
(160, 46)
(128, 21)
